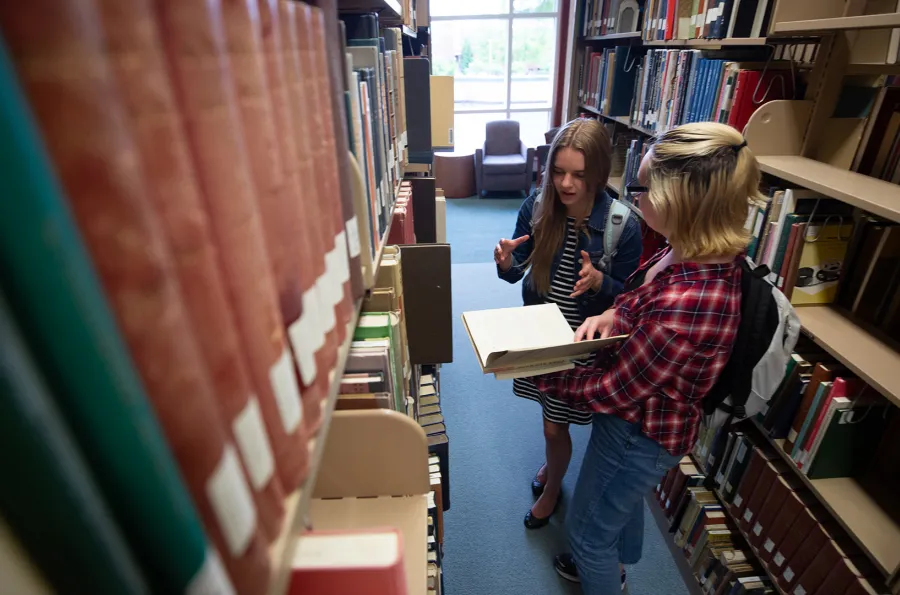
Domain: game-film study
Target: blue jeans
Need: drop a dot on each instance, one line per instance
(605, 520)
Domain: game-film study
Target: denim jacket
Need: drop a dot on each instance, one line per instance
(590, 303)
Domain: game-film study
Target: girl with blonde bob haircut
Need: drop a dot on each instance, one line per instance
(680, 313)
(558, 247)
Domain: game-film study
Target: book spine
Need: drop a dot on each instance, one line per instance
(321, 297)
(313, 19)
(292, 227)
(330, 55)
(133, 38)
(48, 490)
(310, 113)
(196, 50)
(81, 351)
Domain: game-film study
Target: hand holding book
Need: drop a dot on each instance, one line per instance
(591, 278)
(504, 249)
(596, 325)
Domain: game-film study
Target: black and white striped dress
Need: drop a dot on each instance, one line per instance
(561, 287)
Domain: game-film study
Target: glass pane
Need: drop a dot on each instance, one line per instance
(532, 126)
(533, 50)
(469, 131)
(465, 8)
(534, 5)
(474, 53)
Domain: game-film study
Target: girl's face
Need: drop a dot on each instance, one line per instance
(651, 217)
(568, 179)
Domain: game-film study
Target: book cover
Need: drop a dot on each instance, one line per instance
(821, 262)
(337, 562)
(851, 440)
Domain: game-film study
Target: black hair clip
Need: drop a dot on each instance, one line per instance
(737, 148)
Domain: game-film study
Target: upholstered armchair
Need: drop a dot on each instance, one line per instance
(504, 163)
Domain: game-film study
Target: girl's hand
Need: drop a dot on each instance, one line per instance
(504, 249)
(591, 278)
(596, 325)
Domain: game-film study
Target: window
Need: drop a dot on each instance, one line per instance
(502, 55)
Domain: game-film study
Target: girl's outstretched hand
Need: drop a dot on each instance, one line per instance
(504, 249)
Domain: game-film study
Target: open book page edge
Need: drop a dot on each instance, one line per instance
(481, 361)
(515, 358)
(533, 371)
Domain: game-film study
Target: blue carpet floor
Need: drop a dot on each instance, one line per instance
(497, 445)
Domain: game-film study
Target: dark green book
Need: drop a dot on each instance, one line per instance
(49, 498)
(55, 297)
(850, 441)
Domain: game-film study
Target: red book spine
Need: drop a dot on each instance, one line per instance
(293, 227)
(310, 181)
(81, 114)
(316, 22)
(310, 29)
(136, 55)
(277, 202)
(670, 19)
(339, 123)
(195, 47)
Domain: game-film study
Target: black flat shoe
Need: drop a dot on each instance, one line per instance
(537, 488)
(534, 522)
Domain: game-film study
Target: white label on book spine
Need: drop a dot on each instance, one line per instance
(253, 442)
(326, 306)
(742, 452)
(757, 529)
(307, 338)
(769, 545)
(231, 502)
(343, 256)
(738, 500)
(799, 590)
(748, 515)
(788, 574)
(353, 242)
(211, 579)
(792, 436)
(287, 393)
(778, 559)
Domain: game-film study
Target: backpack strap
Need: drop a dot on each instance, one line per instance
(616, 218)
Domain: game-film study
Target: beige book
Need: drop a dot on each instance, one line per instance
(526, 341)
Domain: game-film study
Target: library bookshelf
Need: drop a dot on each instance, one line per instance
(787, 137)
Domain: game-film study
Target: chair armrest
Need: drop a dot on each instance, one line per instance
(479, 162)
(529, 162)
(523, 150)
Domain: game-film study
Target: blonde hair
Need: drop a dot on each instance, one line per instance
(703, 178)
(549, 219)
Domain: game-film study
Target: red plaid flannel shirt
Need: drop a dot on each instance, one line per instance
(681, 327)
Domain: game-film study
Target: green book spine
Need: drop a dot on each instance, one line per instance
(56, 299)
(49, 498)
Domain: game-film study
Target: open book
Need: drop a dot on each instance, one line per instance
(526, 341)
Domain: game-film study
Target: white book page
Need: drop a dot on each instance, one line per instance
(503, 329)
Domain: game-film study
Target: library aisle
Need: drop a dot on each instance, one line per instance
(498, 445)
